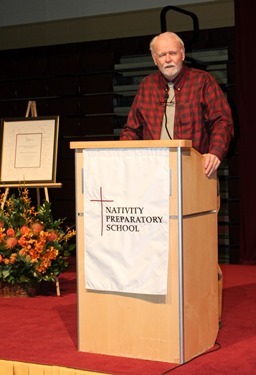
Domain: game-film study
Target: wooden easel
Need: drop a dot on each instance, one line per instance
(31, 110)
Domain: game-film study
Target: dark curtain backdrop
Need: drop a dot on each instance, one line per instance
(245, 18)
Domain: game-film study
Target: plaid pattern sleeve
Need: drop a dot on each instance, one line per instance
(145, 116)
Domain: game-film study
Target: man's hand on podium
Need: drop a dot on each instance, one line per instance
(211, 164)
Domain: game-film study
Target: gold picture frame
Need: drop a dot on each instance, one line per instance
(29, 149)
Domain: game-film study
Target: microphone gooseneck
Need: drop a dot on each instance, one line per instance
(166, 97)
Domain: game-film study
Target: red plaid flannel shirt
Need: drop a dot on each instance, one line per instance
(202, 113)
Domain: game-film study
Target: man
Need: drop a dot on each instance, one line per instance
(178, 102)
(201, 114)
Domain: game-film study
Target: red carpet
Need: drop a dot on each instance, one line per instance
(43, 330)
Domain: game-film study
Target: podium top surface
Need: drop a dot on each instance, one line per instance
(132, 144)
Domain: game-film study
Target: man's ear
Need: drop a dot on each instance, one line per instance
(183, 54)
(154, 59)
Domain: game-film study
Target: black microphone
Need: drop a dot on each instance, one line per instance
(166, 96)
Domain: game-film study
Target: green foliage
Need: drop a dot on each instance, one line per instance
(33, 246)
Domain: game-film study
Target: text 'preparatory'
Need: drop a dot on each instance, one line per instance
(128, 219)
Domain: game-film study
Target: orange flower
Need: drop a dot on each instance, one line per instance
(51, 253)
(22, 241)
(10, 232)
(11, 242)
(13, 258)
(45, 263)
(36, 228)
(22, 252)
(2, 235)
(41, 249)
(34, 256)
(24, 230)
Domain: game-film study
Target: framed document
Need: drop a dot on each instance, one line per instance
(29, 149)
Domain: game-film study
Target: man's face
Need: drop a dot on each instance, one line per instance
(168, 55)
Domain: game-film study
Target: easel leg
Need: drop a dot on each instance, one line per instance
(46, 194)
(31, 108)
(38, 196)
(57, 286)
(6, 192)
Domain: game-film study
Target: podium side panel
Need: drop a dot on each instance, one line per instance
(199, 191)
(200, 262)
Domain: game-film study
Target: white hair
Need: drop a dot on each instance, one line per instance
(167, 35)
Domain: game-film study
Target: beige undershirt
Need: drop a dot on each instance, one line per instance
(170, 111)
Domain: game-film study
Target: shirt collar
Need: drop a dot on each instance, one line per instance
(179, 79)
(177, 82)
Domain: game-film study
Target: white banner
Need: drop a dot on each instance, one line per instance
(126, 219)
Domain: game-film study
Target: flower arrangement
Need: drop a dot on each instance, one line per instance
(33, 246)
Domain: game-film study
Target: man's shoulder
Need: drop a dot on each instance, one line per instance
(153, 77)
(197, 73)
(153, 81)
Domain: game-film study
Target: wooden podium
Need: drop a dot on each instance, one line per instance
(184, 323)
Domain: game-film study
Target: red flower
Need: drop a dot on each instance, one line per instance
(24, 230)
(36, 228)
(10, 232)
(52, 236)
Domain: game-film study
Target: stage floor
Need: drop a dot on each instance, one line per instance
(43, 330)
